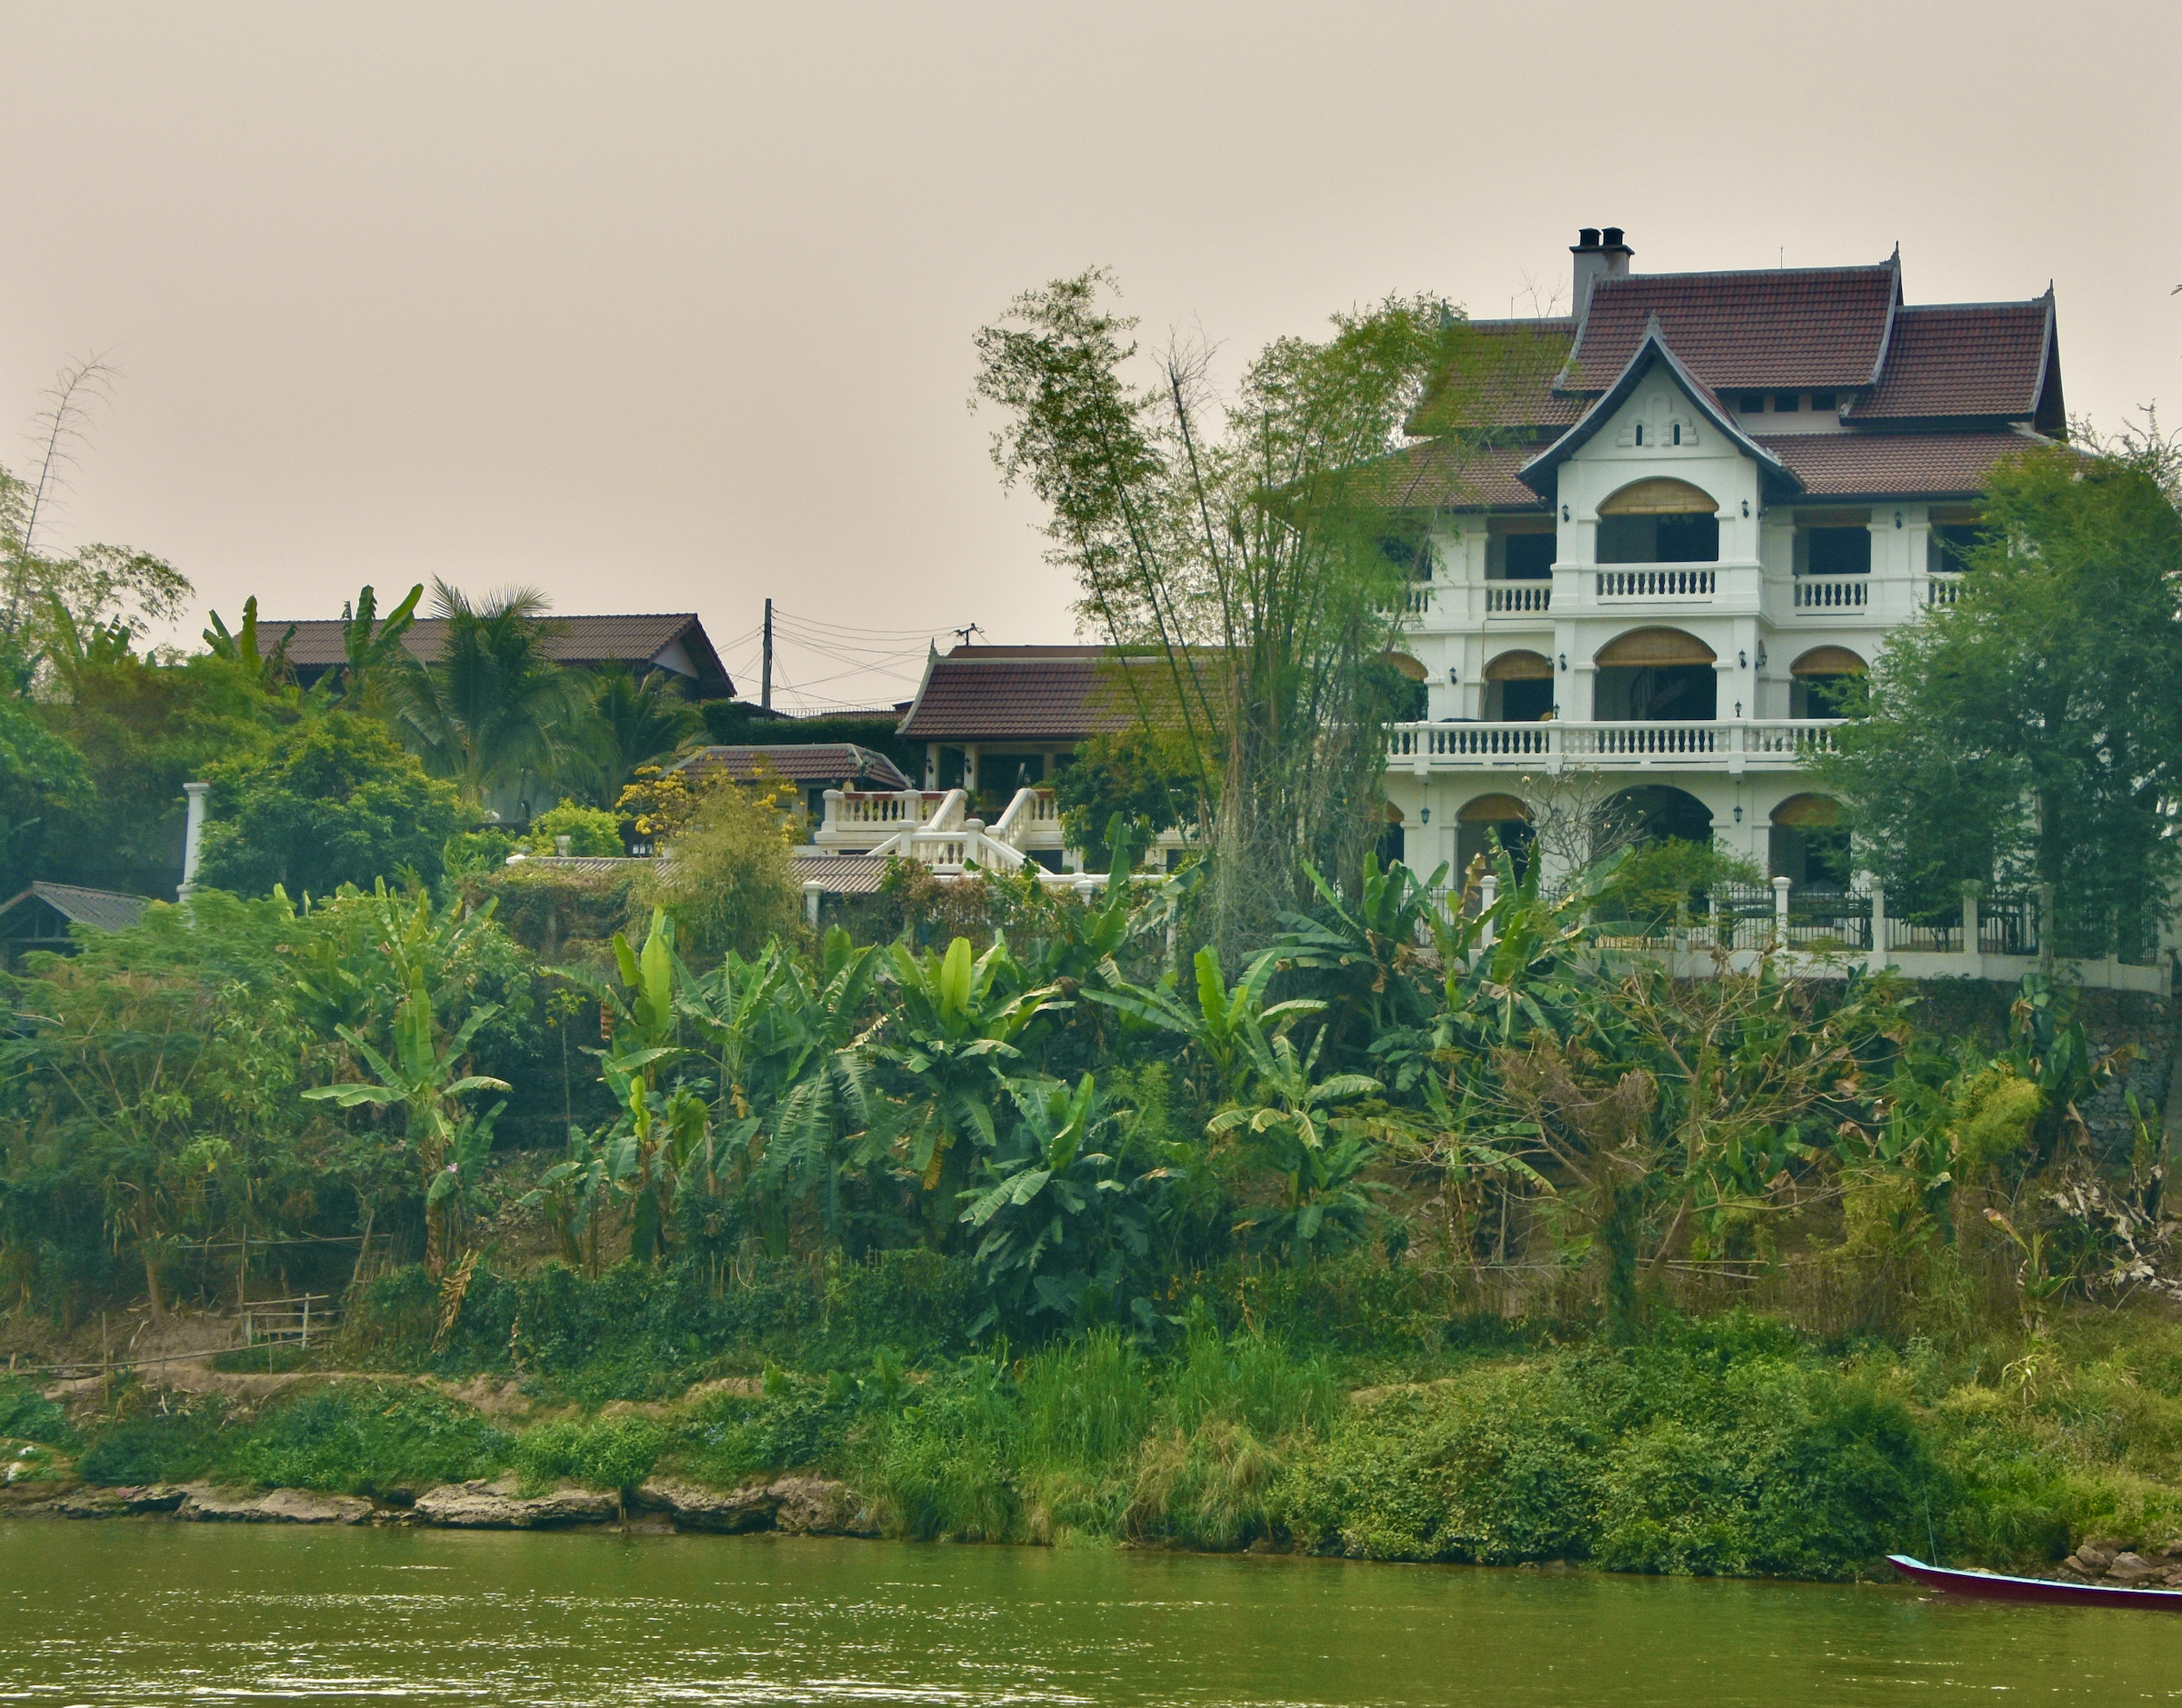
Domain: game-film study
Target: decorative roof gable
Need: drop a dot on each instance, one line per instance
(1651, 350)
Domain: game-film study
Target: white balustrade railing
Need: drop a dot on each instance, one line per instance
(1832, 593)
(862, 810)
(1607, 746)
(1941, 589)
(1506, 598)
(1656, 584)
(1033, 817)
(1419, 600)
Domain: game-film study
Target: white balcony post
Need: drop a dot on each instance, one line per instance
(1970, 892)
(1878, 929)
(832, 819)
(1781, 912)
(812, 891)
(1489, 891)
(193, 837)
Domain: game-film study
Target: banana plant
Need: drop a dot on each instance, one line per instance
(1061, 1229)
(370, 950)
(662, 1132)
(823, 1061)
(243, 647)
(1374, 947)
(1293, 1123)
(423, 1073)
(575, 1194)
(950, 1033)
(1225, 1019)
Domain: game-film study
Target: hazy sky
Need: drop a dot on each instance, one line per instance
(661, 308)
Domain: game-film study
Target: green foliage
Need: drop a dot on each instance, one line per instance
(331, 801)
(28, 1416)
(1144, 776)
(1667, 879)
(727, 882)
(608, 1452)
(591, 831)
(631, 722)
(358, 1438)
(2026, 734)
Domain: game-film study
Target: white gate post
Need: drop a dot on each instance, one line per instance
(1781, 912)
(1879, 928)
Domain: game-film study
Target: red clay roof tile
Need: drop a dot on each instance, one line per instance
(1894, 464)
(1823, 326)
(1962, 359)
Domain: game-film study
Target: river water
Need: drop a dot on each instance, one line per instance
(208, 1614)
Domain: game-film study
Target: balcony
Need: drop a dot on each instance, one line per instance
(1750, 744)
(1517, 598)
(1693, 584)
(1832, 593)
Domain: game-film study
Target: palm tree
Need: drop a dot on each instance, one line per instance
(493, 706)
(636, 721)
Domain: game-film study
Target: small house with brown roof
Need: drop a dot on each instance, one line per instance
(1661, 530)
(673, 642)
(812, 770)
(995, 719)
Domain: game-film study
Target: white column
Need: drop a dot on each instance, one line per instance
(193, 837)
(812, 891)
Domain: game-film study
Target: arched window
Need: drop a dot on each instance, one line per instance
(1655, 675)
(1660, 521)
(1518, 688)
(1819, 681)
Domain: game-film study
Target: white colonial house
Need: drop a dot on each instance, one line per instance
(1705, 498)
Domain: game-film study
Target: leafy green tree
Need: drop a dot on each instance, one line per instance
(727, 882)
(1142, 774)
(2031, 732)
(332, 800)
(494, 708)
(1240, 543)
(633, 722)
(45, 788)
(592, 832)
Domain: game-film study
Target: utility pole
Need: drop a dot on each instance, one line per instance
(764, 678)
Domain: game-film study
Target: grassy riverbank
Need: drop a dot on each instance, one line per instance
(1732, 1445)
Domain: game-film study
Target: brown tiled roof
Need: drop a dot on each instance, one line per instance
(840, 873)
(1441, 476)
(817, 762)
(1963, 359)
(317, 644)
(1822, 327)
(1894, 464)
(1505, 379)
(1058, 693)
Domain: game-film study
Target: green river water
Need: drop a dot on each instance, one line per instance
(207, 1614)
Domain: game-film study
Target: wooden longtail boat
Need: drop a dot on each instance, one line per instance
(1991, 1586)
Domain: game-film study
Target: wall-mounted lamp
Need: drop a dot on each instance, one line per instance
(1742, 659)
(1453, 675)
(1745, 510)
(1739, 711)
(1426, 815)
(1738, 814)
(1563, 661)
(1563, 513)
(1897, 518)
(1761, 655)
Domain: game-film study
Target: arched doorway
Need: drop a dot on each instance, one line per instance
(1656, 675)
(1659, 522)
(1518, 688)
(1808, 845)
(1820, 680)
(1656, 812)
(1488, 823)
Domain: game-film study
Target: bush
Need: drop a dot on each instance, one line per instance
(358, 1439)
(28, 1416)
(726, 878)
(333, 801)
(592, 832)
(607, 1453)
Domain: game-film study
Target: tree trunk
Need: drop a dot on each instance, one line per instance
(151, 1283)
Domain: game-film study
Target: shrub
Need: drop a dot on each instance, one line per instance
(726, 879)
(592, 832)
(28, 1416)
(607, 1453)
(360, 1439)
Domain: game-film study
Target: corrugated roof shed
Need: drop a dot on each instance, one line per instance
(820, 761)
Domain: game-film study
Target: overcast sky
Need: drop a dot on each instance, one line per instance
(670, 307)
